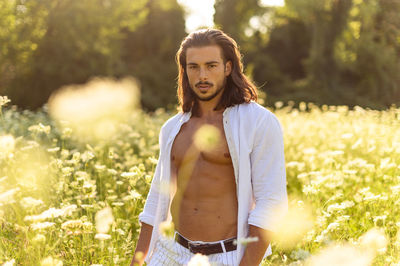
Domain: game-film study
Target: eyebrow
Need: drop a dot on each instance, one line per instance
(207, 63)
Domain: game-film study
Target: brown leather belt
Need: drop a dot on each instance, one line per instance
(206, 249)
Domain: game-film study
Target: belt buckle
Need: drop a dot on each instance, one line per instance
(193, 245)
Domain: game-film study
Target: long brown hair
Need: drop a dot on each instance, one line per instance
(238, 89)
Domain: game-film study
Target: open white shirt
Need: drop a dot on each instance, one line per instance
(255, 140)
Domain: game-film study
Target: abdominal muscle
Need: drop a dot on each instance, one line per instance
(204, 207)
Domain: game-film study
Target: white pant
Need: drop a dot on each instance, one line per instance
(169, 252)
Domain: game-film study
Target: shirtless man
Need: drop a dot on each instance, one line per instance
(224, 191)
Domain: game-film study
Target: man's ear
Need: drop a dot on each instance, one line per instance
(228, 68)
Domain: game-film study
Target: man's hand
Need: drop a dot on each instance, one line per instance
(142, 246)
(255, 251)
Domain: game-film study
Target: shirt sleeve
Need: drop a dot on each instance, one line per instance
(150, 208)
(268, 174)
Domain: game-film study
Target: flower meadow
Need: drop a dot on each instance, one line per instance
(72, 196)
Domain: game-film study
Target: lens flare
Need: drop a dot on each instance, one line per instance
(206, 138)
(292, 226)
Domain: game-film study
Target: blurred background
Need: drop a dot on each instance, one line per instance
(336, 52)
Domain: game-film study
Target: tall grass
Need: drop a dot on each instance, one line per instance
(67, 199)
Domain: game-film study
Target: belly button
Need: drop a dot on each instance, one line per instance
(196, 209)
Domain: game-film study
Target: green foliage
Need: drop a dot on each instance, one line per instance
(149, 53)
(330, 51)
(54, 43)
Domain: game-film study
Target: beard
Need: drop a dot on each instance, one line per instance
(208, 98)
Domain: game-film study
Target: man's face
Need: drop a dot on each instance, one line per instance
(206, 71)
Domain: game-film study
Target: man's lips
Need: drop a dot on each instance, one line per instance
(203, 88)
(203, 85)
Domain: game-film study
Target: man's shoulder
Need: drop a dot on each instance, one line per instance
(254, 111)
(171, 122)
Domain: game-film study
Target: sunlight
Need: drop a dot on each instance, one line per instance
(201, 13)
(272, 2)
(198, 13)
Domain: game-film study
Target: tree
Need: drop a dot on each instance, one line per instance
(149, 52)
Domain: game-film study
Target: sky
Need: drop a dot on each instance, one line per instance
(200, 13)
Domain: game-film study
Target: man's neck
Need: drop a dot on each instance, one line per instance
(206, 108)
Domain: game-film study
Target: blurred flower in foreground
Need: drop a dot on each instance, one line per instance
(104, 218)
(10, 262)
(199, 260)
(49, 261)
(206, 137)
(96, 108)
(245, 241)
(167, 229)
(139, 256)
(374, 241)
(7, 143)
(344, 255)
(291, 226)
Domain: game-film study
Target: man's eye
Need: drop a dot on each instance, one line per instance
(192, 67)
(212, 66)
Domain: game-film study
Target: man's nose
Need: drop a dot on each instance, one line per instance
(203, 74)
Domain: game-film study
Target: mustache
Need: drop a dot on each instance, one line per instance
(203, 83)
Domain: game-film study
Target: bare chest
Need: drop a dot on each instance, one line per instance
(198, 141)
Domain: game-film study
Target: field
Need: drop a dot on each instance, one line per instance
(69, 199)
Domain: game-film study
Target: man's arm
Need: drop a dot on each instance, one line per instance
(142, 246)
(255, 251)
(268, 179)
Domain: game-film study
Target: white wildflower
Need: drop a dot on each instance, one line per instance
(333, 226)
(52, 213)
(378, 219)
(72, 225)
(153, 160)
(41, 226)
(344, 205)
(102, 236)
(39, 238)
(40, 128)
(29, 202)
(129, 174)
(4, 100)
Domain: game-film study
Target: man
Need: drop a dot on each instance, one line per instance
(221, 176)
